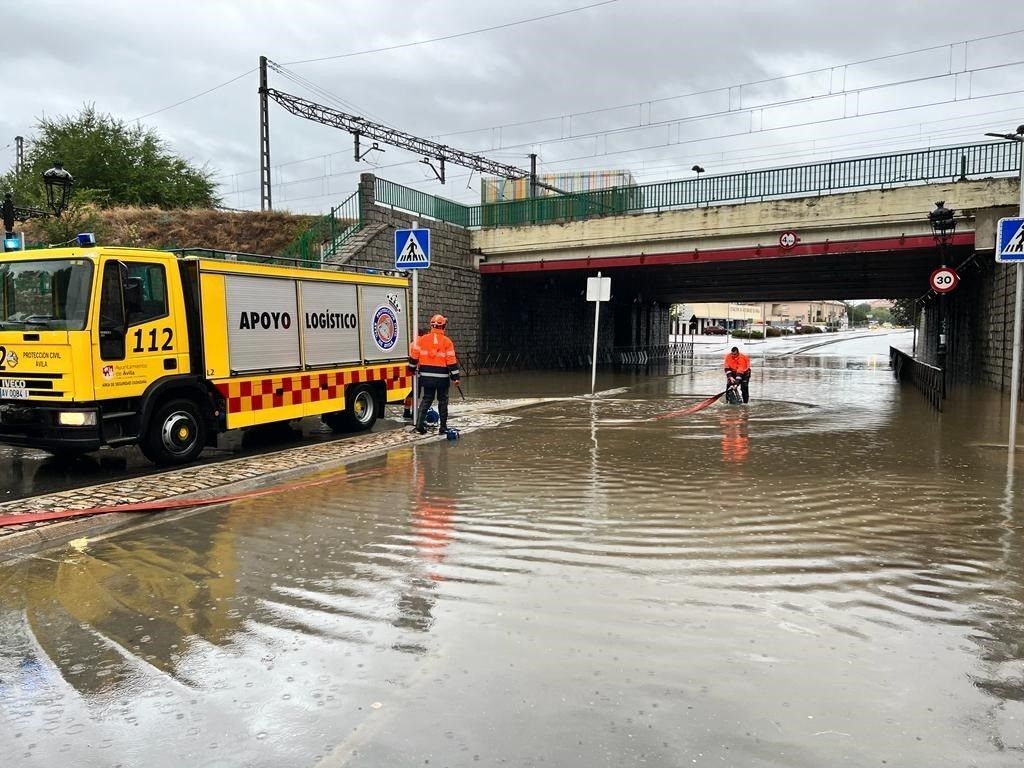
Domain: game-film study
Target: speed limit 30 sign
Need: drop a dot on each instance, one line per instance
(944, 280)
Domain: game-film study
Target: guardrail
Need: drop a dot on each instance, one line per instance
(328, 234)
(567, 358)
(927, 378)
(889, 170)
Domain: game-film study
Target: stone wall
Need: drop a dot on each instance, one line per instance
(451, 286)
(978, 324)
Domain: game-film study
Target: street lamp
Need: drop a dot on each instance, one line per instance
(58, 187)
(943, 223)
(698, 170)
(58, 184)
(943, 226)
(1015, 367)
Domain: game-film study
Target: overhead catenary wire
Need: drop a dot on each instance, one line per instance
(452, 36)
(666, 144)
(749, 110)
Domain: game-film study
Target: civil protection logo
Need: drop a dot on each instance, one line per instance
(385, 328)
(12, 359)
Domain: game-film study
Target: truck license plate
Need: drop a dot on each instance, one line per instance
(13, 393)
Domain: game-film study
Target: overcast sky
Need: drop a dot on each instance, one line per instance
(599, 88)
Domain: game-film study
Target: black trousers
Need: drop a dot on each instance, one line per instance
(745, 386)
(744, 381)
(430, 388)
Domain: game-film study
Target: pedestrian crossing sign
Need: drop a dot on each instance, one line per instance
(412, 248)
(1010, 240)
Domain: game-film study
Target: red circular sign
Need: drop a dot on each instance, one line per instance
(944, 280)
(788, 239)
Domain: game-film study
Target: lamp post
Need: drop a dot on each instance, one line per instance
(943, 223)
(1019, 293)
(698, 170)
(58, 183)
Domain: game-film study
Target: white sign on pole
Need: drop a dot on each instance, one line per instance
(599, 288)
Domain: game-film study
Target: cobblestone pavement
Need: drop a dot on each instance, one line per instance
(211, 480)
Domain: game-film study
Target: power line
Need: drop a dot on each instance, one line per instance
(453, 36)
(192, 98)
(811, 152)
(742, 85)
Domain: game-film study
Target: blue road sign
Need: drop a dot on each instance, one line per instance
(1010, 240)
(412, 248)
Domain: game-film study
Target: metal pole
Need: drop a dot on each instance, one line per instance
(416, 335)
(265, 201)
(597, 314)
(1015, 368)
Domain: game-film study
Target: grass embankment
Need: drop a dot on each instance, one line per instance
(246, 231)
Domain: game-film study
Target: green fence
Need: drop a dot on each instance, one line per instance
(327, 234)
(880, 171)
(395, 195)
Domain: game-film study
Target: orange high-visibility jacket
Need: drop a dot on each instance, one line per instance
(738, 363)
(434, 354)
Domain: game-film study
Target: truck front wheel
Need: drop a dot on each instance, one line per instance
(175, 434)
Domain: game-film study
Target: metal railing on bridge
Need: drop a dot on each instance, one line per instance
(570, 357)
(328, 234)
(927, 378)
(878, 171)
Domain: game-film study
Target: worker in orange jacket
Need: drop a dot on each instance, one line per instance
(738, 364)
(433, 356)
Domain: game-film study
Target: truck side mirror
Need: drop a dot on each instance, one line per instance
(133, 296)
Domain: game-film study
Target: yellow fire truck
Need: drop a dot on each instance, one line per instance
(103, 346)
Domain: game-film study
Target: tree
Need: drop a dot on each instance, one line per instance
(113, 164)
(858, 314)
(904, 312)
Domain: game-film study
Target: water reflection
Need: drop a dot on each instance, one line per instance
(735, 435)
(572, 589)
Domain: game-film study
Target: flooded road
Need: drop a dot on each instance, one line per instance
(833, 575)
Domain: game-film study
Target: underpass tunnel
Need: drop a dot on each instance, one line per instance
(524, 312)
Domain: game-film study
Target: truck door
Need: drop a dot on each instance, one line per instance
(138, 338)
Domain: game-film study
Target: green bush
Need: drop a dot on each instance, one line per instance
(774, 332)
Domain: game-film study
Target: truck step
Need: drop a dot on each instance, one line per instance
(122, 440)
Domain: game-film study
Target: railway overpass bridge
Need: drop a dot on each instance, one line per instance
(512, 274)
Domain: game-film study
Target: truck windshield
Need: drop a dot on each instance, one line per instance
(48, 293)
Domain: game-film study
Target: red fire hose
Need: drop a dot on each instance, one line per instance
(163, 505)
(692, 409)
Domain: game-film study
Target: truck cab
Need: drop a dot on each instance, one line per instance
(87, 335)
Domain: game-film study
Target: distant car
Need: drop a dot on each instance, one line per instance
(714, 330)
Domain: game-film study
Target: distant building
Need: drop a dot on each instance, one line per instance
(495, 190)
(696, 318)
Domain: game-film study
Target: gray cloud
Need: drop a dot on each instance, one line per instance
(132, 58)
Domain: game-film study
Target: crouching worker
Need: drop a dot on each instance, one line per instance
(738, 365)
(433, 356)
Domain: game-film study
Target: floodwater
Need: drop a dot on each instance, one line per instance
(833, 575)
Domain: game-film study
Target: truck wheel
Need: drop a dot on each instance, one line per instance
(361, 407)
(175, 434)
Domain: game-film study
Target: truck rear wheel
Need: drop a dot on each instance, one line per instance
(360, 414)
(175, 434)
(361, 407)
